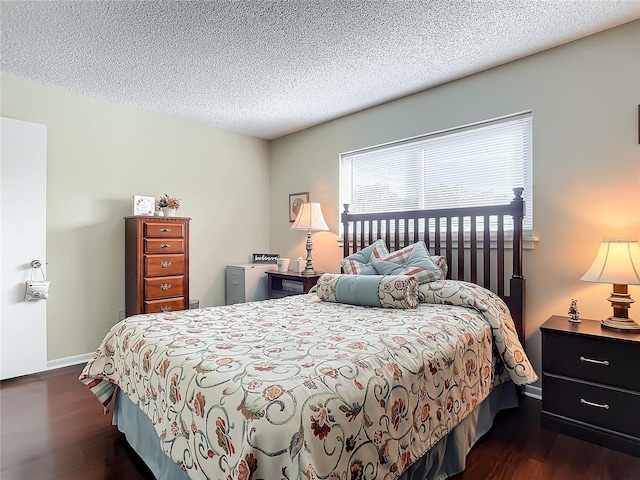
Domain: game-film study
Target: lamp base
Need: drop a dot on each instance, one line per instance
(622, 324)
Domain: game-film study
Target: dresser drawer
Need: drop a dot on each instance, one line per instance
(163, 229)
(163, 265)
(596, 359)
(166, 305)
(164, 287)
(168, 245)
(592, 404)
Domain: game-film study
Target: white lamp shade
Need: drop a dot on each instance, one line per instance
(310, 218)
(617, 262)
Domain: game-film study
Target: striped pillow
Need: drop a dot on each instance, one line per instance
(360, 262)
(412, 260)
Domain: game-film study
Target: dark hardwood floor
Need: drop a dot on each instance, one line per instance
(52, 427)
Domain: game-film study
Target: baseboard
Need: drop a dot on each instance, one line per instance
(532, 391)
(68, 361)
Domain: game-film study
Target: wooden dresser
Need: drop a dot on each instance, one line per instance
(156, 264)
(590, 383)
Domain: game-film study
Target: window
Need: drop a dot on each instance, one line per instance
(474, 165)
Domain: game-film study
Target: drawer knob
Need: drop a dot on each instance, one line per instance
(165, 264)
(165, 309)
(165, 286)
(599, 405)
(591, 360)
(165, 229)
(165, 245)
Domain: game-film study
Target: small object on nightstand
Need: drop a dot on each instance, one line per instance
(298, 265)
(574, 315)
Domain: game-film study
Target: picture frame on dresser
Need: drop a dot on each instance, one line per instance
(295, 202)
(143, 205)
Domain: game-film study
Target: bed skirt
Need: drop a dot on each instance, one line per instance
(444, 459)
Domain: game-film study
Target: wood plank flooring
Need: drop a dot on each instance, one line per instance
(52, 427)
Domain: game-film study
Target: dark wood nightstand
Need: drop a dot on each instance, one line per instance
(590, 383)
(283, 284)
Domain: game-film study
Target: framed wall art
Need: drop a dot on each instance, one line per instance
(295, 202)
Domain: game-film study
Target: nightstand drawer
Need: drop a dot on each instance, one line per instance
(596, 359)
(592, 404)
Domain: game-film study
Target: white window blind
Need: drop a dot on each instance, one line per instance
(475, 165)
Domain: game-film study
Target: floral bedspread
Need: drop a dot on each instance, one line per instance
(297, 388)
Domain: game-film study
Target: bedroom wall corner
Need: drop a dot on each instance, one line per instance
(99, 155)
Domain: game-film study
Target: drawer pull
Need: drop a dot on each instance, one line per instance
(165, 286)
(591, 360)
(165, 264)
(165, 309)
(165, 245)
(586, 402)
(165, 229)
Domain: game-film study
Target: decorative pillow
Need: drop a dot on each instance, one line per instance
(413, 260)
(397, 291)
(441, 263)
(359, 263)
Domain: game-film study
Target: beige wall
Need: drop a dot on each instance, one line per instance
(586, 166)
(583, 95)
(99, 155)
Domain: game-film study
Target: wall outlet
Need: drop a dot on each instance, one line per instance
(121, 315)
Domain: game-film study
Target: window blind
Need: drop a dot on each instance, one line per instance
(474, 165)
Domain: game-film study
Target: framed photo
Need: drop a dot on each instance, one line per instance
(143, 205)
(295, 202)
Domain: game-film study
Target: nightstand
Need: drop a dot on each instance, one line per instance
(590, 383)
(283, 284)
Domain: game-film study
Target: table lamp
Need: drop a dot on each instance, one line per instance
(310, 219)
(618, 263)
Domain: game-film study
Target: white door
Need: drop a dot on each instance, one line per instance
(23, 176)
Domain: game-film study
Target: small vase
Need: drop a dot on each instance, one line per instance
(169, 212)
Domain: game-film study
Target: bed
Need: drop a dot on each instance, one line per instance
(313, 386)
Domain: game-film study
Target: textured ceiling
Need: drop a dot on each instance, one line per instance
(268, 68)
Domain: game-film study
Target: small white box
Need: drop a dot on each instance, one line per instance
(298, 265)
